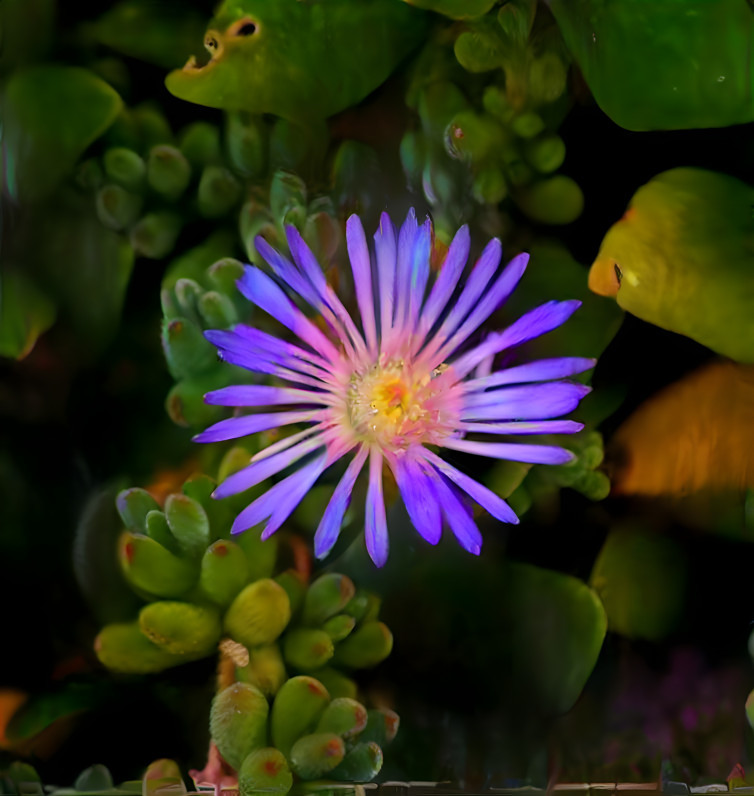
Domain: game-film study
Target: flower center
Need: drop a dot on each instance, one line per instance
(394, 407)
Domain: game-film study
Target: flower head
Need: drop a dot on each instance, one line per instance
(386, 393)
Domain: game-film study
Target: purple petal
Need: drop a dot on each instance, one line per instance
(262, 395)
(332, 307)
(247, 339)
(513, 451)
(361, 265)
(539, 370)
(279, 501)
(534, 323)
(416, 490)
(527, 402)
(329, 526)
(235, 427)
(458, 517)
(406, 238)
(283, 268)
(447, 280)
(375, 523)
(478, 280)
(385, 251)
(524, 427)
(262, 291)
(258, 471)
(485, 497)
(492, 299)
(419, 271)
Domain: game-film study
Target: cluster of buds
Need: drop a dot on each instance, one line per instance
(496, 140)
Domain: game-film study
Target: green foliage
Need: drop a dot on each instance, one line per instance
(51, 114)
(652, 68)
(238, 722)
(25, 313)
(684, 250)
(641, 577)
(507, 145)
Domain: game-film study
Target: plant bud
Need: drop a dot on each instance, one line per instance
(224, 572)
(125, 167)
(116, 207)
(187, 351)
(148, 566)
(188, 523)
(325, 597)
(122, 647)
(307, 649)
(315, 755)
(133, 506)
(259, 613)
(238, 722)
(264, 771)
(168, 171)
(336, 683)
(366, 646)
(296, 710)
(361, 764)
(163, 776)
(157, 529)
(546, 153)
(265, 669)
(200, 144)
(218, 193)
(181, 628)
(339, 627)
(382, 726)
(217, 311)
(345, 717)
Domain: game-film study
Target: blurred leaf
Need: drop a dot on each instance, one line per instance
(164, 34)
(697, 433)
(681, 257)
(51, 114)
(25, 313)
(41, 710)
(85, 266)
(161, 778)
(640, 577)
(555, 627)
(662, 66)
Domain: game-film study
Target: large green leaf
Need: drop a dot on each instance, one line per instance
(25, 312)
(555, 625)
(51, 114)
(641, 578)
(664, 64)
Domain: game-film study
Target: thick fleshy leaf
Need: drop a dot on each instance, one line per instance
(681, 256)
(51, 114)
(670, 77)
(25, 313)
(641, 579)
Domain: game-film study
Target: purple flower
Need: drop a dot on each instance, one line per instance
(389, 391)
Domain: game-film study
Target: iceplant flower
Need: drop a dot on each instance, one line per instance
(403, 382)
